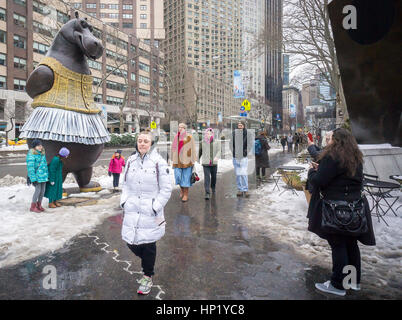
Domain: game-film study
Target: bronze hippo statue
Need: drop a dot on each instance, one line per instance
(64, 112)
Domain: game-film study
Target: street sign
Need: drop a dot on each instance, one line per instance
(242, 108)
(246, 104)
(153, 125)
(243, 114)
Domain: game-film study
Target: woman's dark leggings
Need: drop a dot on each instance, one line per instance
(39, 192)
(345, 251)
(116, 178)
(258, 169)
(147, 253)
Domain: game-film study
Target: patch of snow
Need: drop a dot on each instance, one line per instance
(14, 148)
(376, 146)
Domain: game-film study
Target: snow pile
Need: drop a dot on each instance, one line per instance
(283, 217)
(9, 180)
(14, 148)
(25, 235)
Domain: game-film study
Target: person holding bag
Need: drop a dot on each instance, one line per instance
(183, 155)
(146, 190)
(209, 152)
(337, 211)
(38, 174)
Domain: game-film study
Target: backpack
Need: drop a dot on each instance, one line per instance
(257, 147)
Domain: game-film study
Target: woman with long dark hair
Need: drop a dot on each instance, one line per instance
(339, 176)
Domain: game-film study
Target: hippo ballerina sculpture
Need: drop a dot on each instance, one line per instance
(64, 112)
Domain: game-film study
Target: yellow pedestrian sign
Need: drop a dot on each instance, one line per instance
(153, 125)
(246, 104)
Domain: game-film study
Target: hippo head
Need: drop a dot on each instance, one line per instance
(79, 32)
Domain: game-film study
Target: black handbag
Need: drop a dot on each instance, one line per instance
(194, 177)
(344, 217)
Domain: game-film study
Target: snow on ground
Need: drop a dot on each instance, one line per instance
(283, 218)
(14, 148)
(25, 235)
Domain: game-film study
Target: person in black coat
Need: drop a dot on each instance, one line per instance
(283, 143)
(262, 159)
(339, 176)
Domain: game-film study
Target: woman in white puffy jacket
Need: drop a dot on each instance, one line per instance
(146, 190)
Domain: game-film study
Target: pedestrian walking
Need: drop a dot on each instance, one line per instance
(262, 158)
(296, 142)
(290, 142)
(339, 177)
(146, 190)
(37, 174)
(209, 154)
(54, 187)
(183, 155)
(283, 143)
(240, 150)
(116, 167)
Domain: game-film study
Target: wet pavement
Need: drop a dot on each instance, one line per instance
(207, 253)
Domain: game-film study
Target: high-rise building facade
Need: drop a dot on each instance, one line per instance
(273, 68)
(141, 18)
(203, 38)
(254, 58)
(286, 70)
(128, 74)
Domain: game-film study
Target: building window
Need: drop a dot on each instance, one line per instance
(62, 17)
(94, 64)
(127, 16)
(143, 67)
(127, 7)
(143, 92)
(2, 14)
(114, 100)
(143, 25)
(128, 25)
(20, 63)
(114, 6)
(40, 48)
(19, 84)
(3, 36)
(144, 80)
(91, 5)
(20, 20)
(143, 16)
(77, 5)
(143, 8)
(3, 82)
(21, 2)
(113, 15)
(3, 59)
(133, 76)
(20, 42)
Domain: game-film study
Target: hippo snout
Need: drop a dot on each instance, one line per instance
(93, 47)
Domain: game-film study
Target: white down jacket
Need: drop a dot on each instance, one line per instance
(146, 190)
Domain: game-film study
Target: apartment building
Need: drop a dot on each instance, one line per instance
(140, 18)
(293, 111)
(254, 58)
(128, 78)
(203, 40)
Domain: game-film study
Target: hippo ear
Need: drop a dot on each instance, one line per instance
(76, 14)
